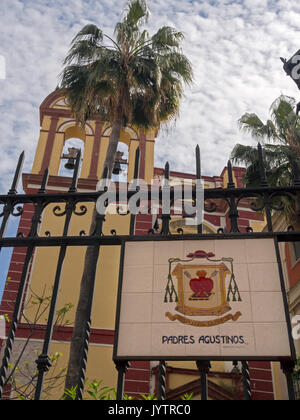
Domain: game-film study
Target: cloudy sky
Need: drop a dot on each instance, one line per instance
(234, 47)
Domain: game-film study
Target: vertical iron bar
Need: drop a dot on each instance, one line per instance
(13, 188)
(14, 321)
(96, 230)
(122, 367)
(233, 211)
(42, 190)
(295, 171)
(43, 362)
(230, 184)
(165, 230)
(264, 183)
(13, 191)
(288, 369)
(296, 182)
(80, 385)
(162, 380)
(135, 176)
(246, 381)
(18, 304)
(261, 165)
(166, 217)
(203, 367)
(94, 260)
(286, 306)
(73, 187)
(198, 180)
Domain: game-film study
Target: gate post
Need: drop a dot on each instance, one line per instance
(203, 367)
(246, 381)
(287, 367)
(122, 367)
(162, 380)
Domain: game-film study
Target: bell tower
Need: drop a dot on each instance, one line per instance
(58, 126)
(59, 138)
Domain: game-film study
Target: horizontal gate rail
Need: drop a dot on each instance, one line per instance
(263, 198)
(57, 241)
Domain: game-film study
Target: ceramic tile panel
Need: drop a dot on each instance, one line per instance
(165, 250)
(223, 310)
(134, 339)
(271, 339)
(260, 251)
(264, 277)
(136, 308)
(138, 279)
(231, 248)
(203, 341)
(160, 276)
(244, 307)
(168, 341)
(267, 307)
(192, 246)
(159, 309)
(241, 276)
(139, 253)
(237, 339)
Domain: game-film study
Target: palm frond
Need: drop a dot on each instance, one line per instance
(140, 75)
(138, 12)
(178, 65)
(82, 52)
(253, 125)
(90, 32)
(166, 38)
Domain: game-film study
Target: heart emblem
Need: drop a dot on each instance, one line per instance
(202, 285)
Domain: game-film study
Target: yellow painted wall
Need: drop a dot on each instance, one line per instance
(44, 267)
(131, 159)
(38, 159)
(87, 156)
(226, 180)
(103, 149)
(149, 162)
(46, 123)
(55, 160)
(100, 366)
(257, 226)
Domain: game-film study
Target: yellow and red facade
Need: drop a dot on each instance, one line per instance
(57, 126)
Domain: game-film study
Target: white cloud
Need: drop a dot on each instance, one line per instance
(234, 47)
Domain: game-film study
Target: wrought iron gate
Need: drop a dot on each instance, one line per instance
(263, 198)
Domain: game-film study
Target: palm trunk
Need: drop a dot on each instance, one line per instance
(80, 338)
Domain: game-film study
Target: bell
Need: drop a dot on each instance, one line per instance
(71, 156)
(117, 168)
(70, 164)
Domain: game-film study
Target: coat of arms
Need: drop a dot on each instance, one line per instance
(202, 289)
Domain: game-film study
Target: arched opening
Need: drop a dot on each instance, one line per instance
(182, 223)
(74, 136)
(120, 168)
(71, 147)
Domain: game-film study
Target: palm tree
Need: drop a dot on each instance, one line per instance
(280, 138)
(277, 165)
(135, 79)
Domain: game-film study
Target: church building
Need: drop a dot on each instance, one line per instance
(60, 138)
